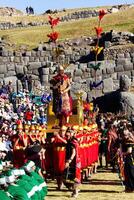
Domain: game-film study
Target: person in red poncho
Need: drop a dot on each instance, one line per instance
(28, 115)
(59, 142)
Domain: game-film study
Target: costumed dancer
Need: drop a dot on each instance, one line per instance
(72, 173)
(128, 151)
(60, 84)
(59, 152)
(19, 145)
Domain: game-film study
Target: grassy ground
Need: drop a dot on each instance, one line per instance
(102, 186)
(122, 21)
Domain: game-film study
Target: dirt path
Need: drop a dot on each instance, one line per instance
(102, 186)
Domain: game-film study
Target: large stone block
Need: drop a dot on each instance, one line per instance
(11, 78)
(45, 78)
(1, 76)
(128, 66)
(36, 59)
(26, 59)
(128, 73)
(19, 69)
(42, 53)
(116, 84)
(3, 69)
(5, 53)
(41, 59)
(82, 66)
(108, 64)
(5, 60)
(121, 55)
(34, 77)
(33, 53)
(86, 75)
(110, 70)
(108, 85)
(77, 79)
(127, 55)
(10, 53)
(18, 54)
(10, 73)
(78, 72)
(10, 67)
(28, 53)
(11, 58)
(122, 61)
(31, 59)
(127, 102)
(114, 76)
(34, 65)
(125, 82)
(45, 71)
(17, 59)
(75, 86)
(35, 72)
(119, 68)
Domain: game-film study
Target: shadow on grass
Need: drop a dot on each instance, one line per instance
(52, 195)
(99, 191)
(102, 182)
(55, 190)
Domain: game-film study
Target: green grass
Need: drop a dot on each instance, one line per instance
(121, 21)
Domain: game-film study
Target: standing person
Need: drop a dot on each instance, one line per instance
(24, 82)
(112, 144)
(29, 116)
(128, 152)
(59, 153)
(60, 84)
(19, 145)
(30, 84)
(103, 147)
(72, 173)
(27, 10)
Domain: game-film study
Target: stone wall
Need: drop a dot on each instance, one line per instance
(68, 17)
(41, 66)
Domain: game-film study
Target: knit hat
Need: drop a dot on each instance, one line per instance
(75, 127)
(10, 178)
(15, 172)
(2, 179)
(26, 127)
(80, 128)
(32, 127)
(28, 166)
(21, 172)
(63, 128)
(85, 127)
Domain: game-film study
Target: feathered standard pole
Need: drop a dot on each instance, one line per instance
(97, 49)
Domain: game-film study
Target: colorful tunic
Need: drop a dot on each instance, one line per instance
(61, 102)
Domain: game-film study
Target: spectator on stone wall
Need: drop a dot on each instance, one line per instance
(29, 83)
